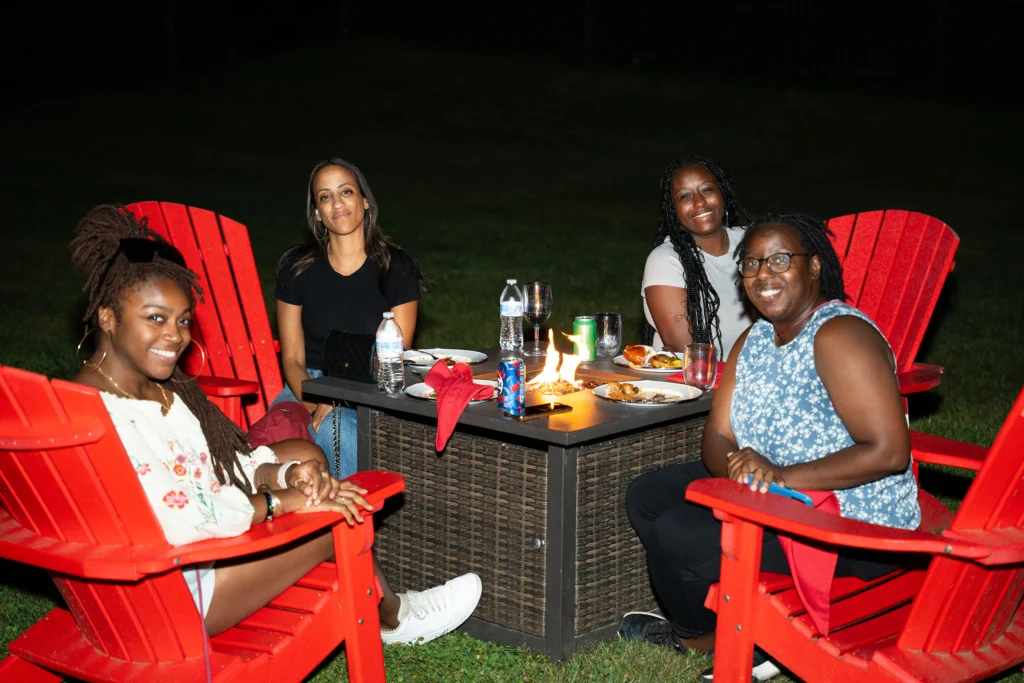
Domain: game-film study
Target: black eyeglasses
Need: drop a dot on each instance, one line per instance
(777, 263)
(143, 250)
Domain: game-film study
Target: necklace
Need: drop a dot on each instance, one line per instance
(163, 408)
(787, 328)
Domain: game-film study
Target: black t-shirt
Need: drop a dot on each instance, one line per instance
(353, 303)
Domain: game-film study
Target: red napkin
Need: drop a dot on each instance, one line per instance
(455, 389)
(680, 376)
(813, 567)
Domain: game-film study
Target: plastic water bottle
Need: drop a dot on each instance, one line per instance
(511, 337)
(390, 373)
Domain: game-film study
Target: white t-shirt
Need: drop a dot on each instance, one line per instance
(663, 268)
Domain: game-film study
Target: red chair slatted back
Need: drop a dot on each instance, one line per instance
(963, 606)
(208, 332)
(87, 493)
(233, 321)
(894, 266)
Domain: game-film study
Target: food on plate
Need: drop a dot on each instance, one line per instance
(645, 356)
(665, 360)
(630, 393)
(622, 392)
(637, 353)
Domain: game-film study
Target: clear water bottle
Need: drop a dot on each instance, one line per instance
(390, 373)
(511, 337)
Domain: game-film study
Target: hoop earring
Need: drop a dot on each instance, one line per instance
(78, 349)
(202, 367)
(322, 236)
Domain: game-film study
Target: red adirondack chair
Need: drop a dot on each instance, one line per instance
(232, 322)
(894, 266)
(958, 620)
(73, 505)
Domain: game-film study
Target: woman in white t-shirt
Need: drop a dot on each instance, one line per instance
(691, 288)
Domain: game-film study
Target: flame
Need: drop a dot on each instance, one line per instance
(581, 344)
(552, 374)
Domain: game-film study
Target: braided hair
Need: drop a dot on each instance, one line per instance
(702, 301)
(814, 237)
(96, 255)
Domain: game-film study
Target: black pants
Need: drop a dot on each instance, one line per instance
(684, 551)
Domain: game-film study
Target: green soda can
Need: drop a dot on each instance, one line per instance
(585, 331)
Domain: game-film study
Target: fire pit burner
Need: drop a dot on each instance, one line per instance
(561, 387)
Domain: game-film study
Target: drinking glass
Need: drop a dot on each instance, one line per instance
(536, 308)
(700, 365)
(609, 334)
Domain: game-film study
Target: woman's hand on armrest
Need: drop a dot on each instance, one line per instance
(349, 502)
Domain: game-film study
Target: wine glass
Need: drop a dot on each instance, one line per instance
(537, 308)
(609, 334)
(700, 365)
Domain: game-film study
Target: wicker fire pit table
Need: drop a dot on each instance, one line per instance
(535, 508)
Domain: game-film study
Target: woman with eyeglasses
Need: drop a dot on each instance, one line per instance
(345, 279)
(809, 400)
(196, 467)
(690, 289)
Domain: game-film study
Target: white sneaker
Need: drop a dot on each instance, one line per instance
(424, 616)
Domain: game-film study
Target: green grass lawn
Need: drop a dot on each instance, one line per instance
(562, 163)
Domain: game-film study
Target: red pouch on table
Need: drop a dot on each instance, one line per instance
(455, 389)
(678, 377)
(286, 420)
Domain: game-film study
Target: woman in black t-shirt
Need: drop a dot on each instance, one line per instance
(346, 280)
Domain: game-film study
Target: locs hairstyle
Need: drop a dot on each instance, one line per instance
(702, 301)
(109, 270)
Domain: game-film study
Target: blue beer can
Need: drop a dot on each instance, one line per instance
(512, 385)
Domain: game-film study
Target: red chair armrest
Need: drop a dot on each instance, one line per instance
(797, 519)
(1007, 544)
(919, 378)
(226, 387)
(131, 563)
(52, 434)
(937, 450)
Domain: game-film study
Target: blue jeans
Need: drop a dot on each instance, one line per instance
(324, 437)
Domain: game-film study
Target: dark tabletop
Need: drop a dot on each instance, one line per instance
(592, 417)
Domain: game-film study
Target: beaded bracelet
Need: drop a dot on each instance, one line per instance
(270, 506)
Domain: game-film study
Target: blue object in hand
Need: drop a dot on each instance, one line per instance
(785, 492)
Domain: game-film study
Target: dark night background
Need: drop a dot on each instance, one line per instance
(947, 49)
(546, 124)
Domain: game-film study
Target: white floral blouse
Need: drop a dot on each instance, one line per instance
(171, 457)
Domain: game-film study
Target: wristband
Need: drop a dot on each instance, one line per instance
(265, 490)
(281, 482)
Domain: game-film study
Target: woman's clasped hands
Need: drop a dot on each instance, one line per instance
(746, 462)
(321, 492)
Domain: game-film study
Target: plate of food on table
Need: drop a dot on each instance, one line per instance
(645, 358)
(646, 392)
(427, 357)
(427, 393)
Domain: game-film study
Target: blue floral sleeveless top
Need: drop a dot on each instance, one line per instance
(781, 409)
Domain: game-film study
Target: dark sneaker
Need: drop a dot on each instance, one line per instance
(764, 668)
(650, 627)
